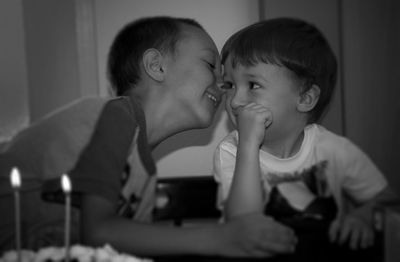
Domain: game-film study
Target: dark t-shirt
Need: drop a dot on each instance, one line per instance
(102, 168)
(99, 168)
(91, 140)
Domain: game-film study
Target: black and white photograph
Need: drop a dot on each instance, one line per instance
(199, 130)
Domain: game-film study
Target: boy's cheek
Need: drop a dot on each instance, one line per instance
(228, 104)
(232, 118)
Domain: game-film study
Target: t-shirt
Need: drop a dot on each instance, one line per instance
(326, 165)
(118, 146)
(100, 143)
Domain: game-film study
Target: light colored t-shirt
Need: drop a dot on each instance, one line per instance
(326, 165)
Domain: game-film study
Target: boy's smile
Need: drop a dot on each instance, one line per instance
(274, 87)
(194, 75)
(216, 99)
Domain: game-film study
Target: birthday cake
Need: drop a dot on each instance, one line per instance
(78, 253)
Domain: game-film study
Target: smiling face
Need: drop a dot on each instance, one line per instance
(274, 87)
(193, 74)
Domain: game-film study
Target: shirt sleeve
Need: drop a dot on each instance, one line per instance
(223, 169)
(363, 179)
(99, 168)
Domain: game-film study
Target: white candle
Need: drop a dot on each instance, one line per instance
(16, 184)
(66, 187)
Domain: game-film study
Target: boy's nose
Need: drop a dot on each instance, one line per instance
(238, 99)
(220, 88)
(219, 83)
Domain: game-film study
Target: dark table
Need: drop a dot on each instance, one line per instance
(335, 254)
(313, 246)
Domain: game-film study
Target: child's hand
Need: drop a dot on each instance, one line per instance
(255, 235)
(353, 229)
(253, 119)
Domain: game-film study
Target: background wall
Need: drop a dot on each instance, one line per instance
(53, 52)
(51, 55)
(371, 51)
(14, 111)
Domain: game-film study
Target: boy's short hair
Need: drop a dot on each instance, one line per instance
(125, 56)
(294, 44)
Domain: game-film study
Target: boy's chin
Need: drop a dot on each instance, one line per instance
(205, 121)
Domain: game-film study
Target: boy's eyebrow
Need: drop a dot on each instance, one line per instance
(250, 75)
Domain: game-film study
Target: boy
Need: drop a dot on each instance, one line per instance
(165, 72)
(279, 77)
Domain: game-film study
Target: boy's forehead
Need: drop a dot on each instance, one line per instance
(231, 64)
(197, 38)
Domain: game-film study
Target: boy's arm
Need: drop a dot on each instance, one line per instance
(365, 210)
(253, 235)
(246, 194)
(246, 191)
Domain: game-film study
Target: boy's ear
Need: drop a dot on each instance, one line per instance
(153, 64)
(308, 99)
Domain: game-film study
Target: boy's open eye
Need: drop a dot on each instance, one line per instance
(253, 85)
(226, 86)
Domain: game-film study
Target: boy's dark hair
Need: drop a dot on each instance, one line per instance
(125, 56)
(294, 44)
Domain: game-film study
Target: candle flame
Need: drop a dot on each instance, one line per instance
(66, 183)
(15, 178)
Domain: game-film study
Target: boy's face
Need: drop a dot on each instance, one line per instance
(274, 87)
(193, 74)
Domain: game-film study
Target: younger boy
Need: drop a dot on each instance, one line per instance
(279, 77)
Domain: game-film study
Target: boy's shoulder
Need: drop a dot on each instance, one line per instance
(323, 134)
(326, 140)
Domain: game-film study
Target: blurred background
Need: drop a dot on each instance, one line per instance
(55, 51)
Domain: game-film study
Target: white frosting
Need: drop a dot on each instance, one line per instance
(77, 252)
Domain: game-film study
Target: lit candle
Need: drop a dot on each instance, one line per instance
(66, 187)
(16, 184)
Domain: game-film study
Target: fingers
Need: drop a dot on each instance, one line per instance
(279, 239)
(258, 111)
(355, 238)
(276, 247)
(334, 231)
(263, 236)
(361, 237)
(344, 233)
(366, 238)
(355, 232)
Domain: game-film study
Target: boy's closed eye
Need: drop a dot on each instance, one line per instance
(210, 64)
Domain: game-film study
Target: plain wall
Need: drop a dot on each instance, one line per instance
(14, 111)
(371, 52)
(52, 56)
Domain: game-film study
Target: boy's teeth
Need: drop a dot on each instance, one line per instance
(213, 98)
